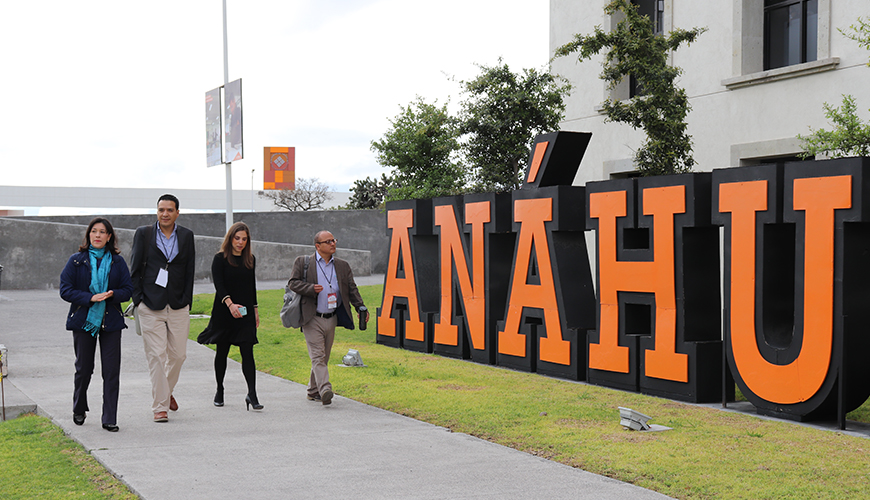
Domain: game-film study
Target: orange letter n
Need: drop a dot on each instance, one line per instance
(473, 290)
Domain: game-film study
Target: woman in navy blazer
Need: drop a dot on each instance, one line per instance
(95, 281)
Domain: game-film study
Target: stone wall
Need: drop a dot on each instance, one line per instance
(354, 229)
(33, 253)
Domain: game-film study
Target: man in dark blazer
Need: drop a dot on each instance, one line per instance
(162, 270)
(327, 294)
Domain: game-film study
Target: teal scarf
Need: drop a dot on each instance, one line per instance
(99, 284)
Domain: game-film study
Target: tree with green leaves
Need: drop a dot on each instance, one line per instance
(634, 49)
(501, 115)
(368, 193)
(850, 136)
(859, 32)
(421, 148)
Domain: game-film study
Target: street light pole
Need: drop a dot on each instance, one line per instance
(229, 164)
(252, 190)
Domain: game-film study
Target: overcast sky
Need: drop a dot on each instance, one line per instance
(111, 93)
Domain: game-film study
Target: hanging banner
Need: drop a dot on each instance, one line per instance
(279, 168)
(213, 127)
(233, 121)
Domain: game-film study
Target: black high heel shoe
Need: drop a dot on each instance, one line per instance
(219, 397)
(249, 401)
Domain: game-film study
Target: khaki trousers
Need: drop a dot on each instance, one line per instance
(164, 334)
(319, 335)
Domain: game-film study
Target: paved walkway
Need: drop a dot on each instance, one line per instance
(292, 449)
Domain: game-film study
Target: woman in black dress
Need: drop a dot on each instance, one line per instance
(234, 315)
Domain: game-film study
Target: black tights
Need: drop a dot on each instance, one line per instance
(249, 368)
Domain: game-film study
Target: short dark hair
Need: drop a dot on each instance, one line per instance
(168, 197)
(111, 244)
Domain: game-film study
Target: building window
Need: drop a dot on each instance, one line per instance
(790, 32)
(801, 33)
(655, 10)
(764, 152)
(659, 12)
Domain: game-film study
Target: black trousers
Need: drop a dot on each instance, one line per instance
(110, 364)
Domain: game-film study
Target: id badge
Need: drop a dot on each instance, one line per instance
(162, 277)
(331, 301)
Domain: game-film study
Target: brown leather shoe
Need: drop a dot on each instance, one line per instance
(161, 416)
(173, 405)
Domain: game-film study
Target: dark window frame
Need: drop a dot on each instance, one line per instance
(805, 43)
(655, 9)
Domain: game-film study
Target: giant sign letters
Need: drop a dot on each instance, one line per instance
(505, 279)
(797, 278)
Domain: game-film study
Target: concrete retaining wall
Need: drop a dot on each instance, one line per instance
(354, 229)
(33, 253)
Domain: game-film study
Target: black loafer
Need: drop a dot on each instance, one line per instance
(110, 427)
(314, 398)
(78, 419)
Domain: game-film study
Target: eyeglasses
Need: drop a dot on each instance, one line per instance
(328, 242)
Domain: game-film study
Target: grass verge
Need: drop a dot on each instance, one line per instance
(708, 454)
(38, 461)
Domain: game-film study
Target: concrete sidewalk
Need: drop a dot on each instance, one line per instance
(294, 448)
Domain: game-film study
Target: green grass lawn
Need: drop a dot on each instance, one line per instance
(708, 454)
(38, 461)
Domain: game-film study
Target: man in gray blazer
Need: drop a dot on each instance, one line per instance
(327, 294)
(162, 270)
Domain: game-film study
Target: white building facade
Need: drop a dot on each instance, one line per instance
(756, 78)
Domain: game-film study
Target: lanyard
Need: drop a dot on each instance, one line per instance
(328, 277)
(161, 240)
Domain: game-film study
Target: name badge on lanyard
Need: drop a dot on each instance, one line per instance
(163, 274)
(162, 277)
(331, 301)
